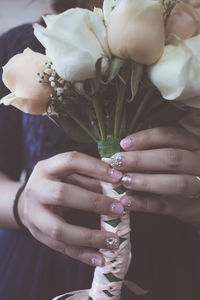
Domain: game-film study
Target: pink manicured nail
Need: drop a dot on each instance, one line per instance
(96, 261)
(128, 142)
(126, 180)
(126, 201)
(115, 174)
(116, 208)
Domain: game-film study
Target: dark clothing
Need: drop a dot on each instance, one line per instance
(166, 253)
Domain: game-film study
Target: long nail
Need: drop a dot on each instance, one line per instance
(128, 142)
(116, 208)
(116, 160)
(112, 243)
(115, 174)
(127, 201)
(126, 180)
(96, 261)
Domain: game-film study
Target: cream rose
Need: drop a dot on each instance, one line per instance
(184, 20)
(74, 41)
(177, 72)
(20, 77)
(135, 30)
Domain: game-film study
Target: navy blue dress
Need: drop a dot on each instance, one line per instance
(166, 253)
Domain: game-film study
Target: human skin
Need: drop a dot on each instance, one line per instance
(165, 164)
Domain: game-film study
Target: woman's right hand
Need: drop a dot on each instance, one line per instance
(48, 188)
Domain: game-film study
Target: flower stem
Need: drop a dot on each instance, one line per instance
(99, 115)
(140, 110)
(119, 110)
(81, 124)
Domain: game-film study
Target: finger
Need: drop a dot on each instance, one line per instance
(65, 164)
(171, 185)
(83, 254)
(70, 235)
(159, 160)
(70, 196)
(161, 137)
(155, 204)
(84, 182)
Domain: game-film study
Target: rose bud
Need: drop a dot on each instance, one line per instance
(20, 77)
(136, 30)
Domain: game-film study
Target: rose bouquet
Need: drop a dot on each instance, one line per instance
(106, 74)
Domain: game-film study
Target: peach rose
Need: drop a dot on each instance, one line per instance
(135, 30)
(184, 20)
(20, 77)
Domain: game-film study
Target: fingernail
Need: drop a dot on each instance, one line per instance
(128, 142)
(116, 208)
(115, 174)
(112, 243)
(126, 180)
(116, 160)
(96, 261)
(126, 201)
(106, 160)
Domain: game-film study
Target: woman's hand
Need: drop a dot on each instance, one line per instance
(165, 164)
(52, 185)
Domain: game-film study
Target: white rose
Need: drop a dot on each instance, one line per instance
(74, 41)
(135, 30)
(177, 73)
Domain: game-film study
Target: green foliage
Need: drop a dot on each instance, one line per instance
(108, 293)
(120, 189)
(114, 223)
(74, 130)
(112, 278)
(122, 240)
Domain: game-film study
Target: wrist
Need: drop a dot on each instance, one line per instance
(18, 208)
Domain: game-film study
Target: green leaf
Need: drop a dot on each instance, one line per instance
(98, 67)
(109, 147)
(122, 240)
(74, 131)
(112, 278)
(115, 67)
(113, 223)
(90, 298)
(108, 293)
(136, 75)
(120, 189)
(113, 261)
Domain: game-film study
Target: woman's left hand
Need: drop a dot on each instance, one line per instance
(165, 164)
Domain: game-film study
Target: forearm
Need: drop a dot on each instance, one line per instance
(8, 190)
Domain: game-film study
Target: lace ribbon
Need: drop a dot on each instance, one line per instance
(108, 280)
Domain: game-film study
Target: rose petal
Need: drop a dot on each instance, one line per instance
(74, 40)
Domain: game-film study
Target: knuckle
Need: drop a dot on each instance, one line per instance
(56, 233)
(173, 134)
(71, 156)
(58, 194)
(174, 158)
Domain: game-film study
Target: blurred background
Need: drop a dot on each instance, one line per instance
(17, 12)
